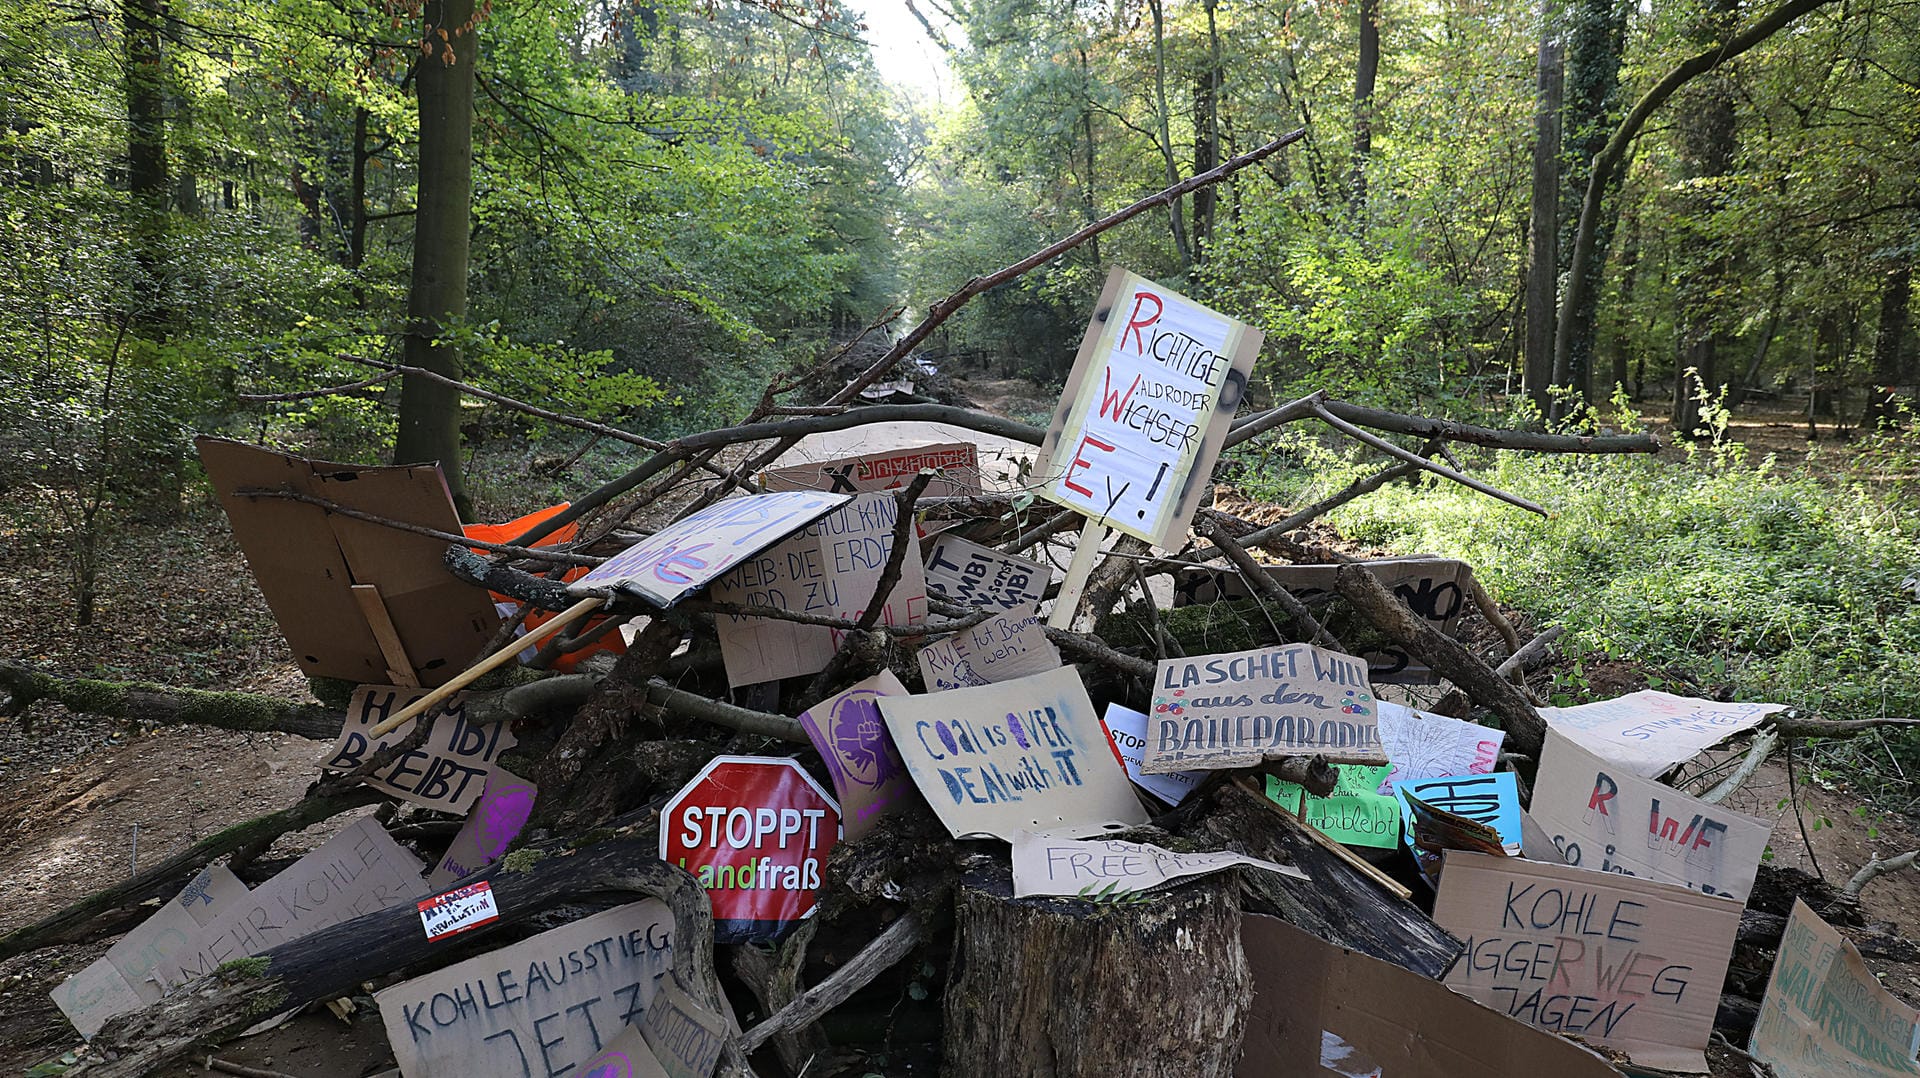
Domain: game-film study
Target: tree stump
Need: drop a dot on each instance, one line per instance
(1063, 987)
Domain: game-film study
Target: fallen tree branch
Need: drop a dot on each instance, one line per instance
(74, 923)
(886, 950)
(162, 706)
(309, 394)
(1876, 868)
(1526, 730)
(1793, 724)
(545, 554)
(1410, 457)
(1263, 581)
(1757, 753)
(1530, 653)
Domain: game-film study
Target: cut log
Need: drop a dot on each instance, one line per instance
(1067, 988)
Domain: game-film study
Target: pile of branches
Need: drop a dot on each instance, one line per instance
(608, 745)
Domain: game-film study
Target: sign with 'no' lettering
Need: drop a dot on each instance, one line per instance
(756, 832)
(1153, 388)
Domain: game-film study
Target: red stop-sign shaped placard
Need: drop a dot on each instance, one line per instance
(755, 831)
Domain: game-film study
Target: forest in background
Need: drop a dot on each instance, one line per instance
(645, 213)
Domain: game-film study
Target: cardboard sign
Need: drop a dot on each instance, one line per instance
(627, 1057)
(535, 1009)
(974, 575)
(1355, 813)
(1432, 587)
(1629, 963)
(756, 831)
(1422, 745)
(1647, 732)
(1601, 816)
(306, 559)
(1234, 710)
(1023, 755)
(1493, 800)
(1096, 867)
(956, 467)
(831, 568)
(1319, 1009)
(359, 871)
(1825, 1015)
(1001, 648)
(1127, 730)
(495, 821)
(685, 1037)
(459, 910)
(447, 772)
(1140, 424)
(691, 553)
(852, 740)
(123, 980)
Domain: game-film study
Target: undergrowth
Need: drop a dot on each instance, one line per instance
(1715, 574)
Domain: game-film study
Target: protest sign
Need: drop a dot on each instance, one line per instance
(685, 1036)
(756, 832)
(1422, 745)
(1320, 1009)
(1145, 410)
(690, 553)
(1236, 709)
(1355, 813)
(494, 822)
(1629, 963)
(1127, 730)
(1432, 587)
(1096, 867)
(1027, 754)
(1001, 648)
(1601, 816)
(1493, 800)
(974, 575)
(852, 740)
(95, 994)
(447, 772)
(535, 1009)
(956, 468)
(361, 870)
(462, 909)
(345, 591)
(1647, 732)
(123, 979)
(1825, 1015)
(831, 568)
(626, 1057)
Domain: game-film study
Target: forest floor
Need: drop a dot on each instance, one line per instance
(178, 606)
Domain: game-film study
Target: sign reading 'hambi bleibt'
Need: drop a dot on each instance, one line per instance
(1145, 411)
(1233, 710)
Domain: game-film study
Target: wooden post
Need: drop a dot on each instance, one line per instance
(497, 659)
(374, 609)
(1078, 570)
(1067, 988)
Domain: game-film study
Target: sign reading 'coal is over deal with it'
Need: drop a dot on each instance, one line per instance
(1022, 755)
(447, 772)
(1155, 383)
(537, 1009)
(1234, 710)
(756, 832)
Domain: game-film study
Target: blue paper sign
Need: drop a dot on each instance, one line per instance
(1493, 800)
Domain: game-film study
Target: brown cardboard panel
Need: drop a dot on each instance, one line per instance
(1321, 1010)
(306, 560)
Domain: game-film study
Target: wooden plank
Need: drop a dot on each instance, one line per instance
(399, 666)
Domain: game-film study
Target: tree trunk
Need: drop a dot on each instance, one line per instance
(1622, 341)
(1596, 35)
(1067, 988)
(1088, 190)
(147, 143)
(1707, 146)
(1883, 399)
(1543, 236)
(1365, 72)
(1174, 220)
(429, 427)
(1206, 136)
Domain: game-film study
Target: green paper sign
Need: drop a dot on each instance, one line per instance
(1354, 813)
